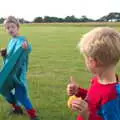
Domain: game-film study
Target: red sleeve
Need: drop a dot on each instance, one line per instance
(81, 93)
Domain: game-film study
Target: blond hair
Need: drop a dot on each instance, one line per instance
(102, 44)
(12, 19)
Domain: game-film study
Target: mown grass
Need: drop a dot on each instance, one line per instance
(54, 58)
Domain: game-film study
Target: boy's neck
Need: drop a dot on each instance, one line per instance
(108, 77)
(16, 35)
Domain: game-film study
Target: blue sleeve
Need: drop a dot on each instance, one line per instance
(111, 109)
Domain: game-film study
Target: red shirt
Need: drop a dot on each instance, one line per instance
(97, 95)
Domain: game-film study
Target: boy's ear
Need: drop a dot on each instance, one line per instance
(93, 62)
(96, 63)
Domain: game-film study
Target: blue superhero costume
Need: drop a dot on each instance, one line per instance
(13, 85)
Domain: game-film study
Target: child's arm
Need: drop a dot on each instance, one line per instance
(27, 46)
(74, 89)
(81, 92)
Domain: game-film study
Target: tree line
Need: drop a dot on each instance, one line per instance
(113, 16)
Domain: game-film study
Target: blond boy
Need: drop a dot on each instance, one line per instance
(101, 50)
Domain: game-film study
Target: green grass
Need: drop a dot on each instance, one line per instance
(54, 59)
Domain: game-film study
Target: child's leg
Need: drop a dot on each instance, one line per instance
(10, 97)
(22, 96)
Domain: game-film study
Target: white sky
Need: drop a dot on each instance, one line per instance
(29, 9)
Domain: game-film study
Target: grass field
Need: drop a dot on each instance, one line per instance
(54, 59)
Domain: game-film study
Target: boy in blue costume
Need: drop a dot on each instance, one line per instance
(17, 94)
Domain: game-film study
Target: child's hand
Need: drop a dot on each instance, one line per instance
(81, 106)
(25, 45)
(72, 87)
(3, 52)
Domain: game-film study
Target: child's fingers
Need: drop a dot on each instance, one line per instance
(76, 107)
(2, 49)
(80, 108)
(25, 45)
(79, 102)
(70, 92)
(71, 86)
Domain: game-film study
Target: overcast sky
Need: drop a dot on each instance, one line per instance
(29, 9)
